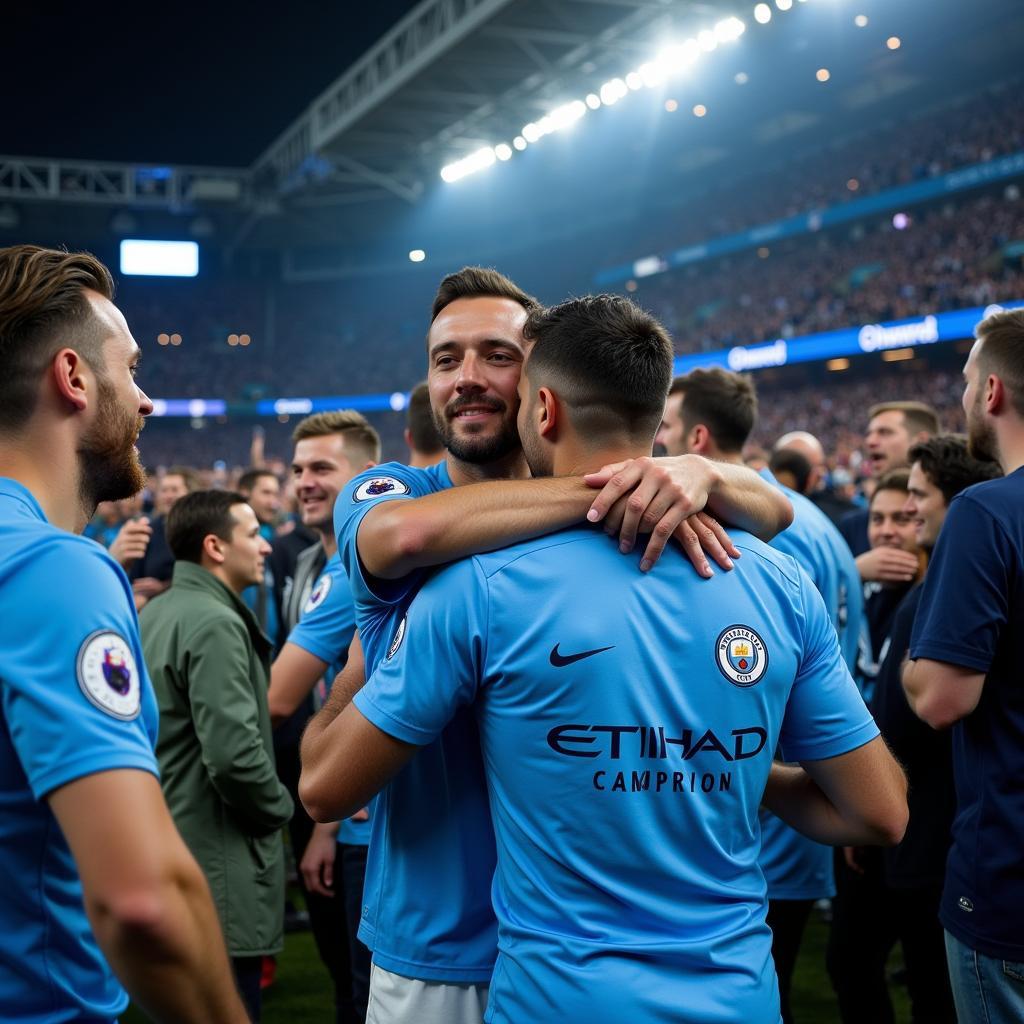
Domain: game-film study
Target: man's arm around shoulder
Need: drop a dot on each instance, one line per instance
(147, 899)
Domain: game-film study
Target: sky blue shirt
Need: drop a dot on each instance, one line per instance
(75, 700)
(325, 629)
(795, 867)
(628, 723)
(972, 614)
(426, 907)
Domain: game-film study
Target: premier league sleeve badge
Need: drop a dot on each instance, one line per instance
(108, 675)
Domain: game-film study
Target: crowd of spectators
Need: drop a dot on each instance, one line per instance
(913, 148)
(944, 258)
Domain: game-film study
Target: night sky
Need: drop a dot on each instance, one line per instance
(179, 83)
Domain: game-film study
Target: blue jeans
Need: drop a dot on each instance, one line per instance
(986, 990)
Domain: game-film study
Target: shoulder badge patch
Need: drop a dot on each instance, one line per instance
(370, 489)
(108, 675)
(741, 655)
(320, 591)
(397, 641)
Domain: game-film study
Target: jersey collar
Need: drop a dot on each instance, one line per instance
(10, 488)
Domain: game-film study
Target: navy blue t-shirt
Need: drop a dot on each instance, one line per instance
(972, 615)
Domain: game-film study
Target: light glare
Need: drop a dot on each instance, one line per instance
(762, 14)
(147, 258)
(417, 255)
(503, 151)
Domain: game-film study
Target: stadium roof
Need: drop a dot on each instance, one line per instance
(401, 90)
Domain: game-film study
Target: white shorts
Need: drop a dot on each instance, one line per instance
(395, 999)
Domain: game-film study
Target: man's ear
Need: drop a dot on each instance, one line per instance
(548, 413)
(995, 394)
(70, 375)
(698, 440)
(213, 548)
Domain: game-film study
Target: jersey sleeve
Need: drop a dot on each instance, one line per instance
(965, 601)
(825, 715)
(326, 630)
(435, 661)
(390, 482)
(74, 679)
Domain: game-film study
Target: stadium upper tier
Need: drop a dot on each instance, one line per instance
(311, 342)
(952, 136)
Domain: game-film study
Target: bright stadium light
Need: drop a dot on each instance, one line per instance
(147, 258)
(729, 30)
(503, 151)
(417, 255)
(706, 39)
(762, 14)
(784, 5)
(519, 143)
(634, 80)
(861, 21)
(593, 100)
(613, 91)
(468, 165)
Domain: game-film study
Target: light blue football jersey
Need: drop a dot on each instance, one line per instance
(795, 867)
(628, 723)
(75, 700)
(325, 629)
(426, 907)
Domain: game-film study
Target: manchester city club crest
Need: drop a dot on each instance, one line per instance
(320, 591)
(741, 655)
(378, 487)
(108, 675)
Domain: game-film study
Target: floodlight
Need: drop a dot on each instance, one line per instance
(417, 255)
(784, 5)
(706, 39)
(531, 132)
(503, 151)
(861, 21)
(612, 92)
(519, 143)
(762, 14)
(159, 259)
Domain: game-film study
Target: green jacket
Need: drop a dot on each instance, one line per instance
(209, 663)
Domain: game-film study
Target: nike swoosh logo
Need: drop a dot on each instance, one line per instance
(561, 660)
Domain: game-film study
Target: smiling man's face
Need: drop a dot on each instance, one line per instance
(475, 354)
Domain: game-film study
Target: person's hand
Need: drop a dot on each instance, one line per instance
(149, 586)
(317, 864)
(851, 854)
(662, 497)
(131, 542)
(887, 565)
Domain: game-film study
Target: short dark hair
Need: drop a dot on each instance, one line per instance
(608, 360)
(479, 283)
(43, 307)
(918, 417)
(1002, 352)
(724, 402)
(420, 421)
(949, 466)
(787, 460)
(894, 480)
(195, 517)
(248, 480)
(353, 426)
